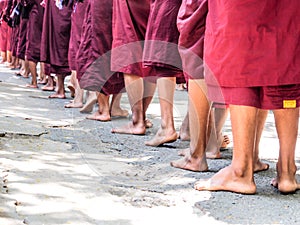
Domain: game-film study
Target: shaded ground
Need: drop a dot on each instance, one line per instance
(59, 168)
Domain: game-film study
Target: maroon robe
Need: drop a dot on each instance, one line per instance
(21, 47)
(161, 49)
(34, 31)
(14, 36)
(3, 28)
(191, 25)
(56, 37)
(93, 57)
(129, 29)
(76, 29)
(14, 39)
(146, 36)
(252, 43)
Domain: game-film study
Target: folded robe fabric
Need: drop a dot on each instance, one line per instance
(252, 43)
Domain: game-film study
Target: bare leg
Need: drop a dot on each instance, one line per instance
(78, 99)
(212, 148)
(60, 92)
(21, 71)
(261, 119)
(138, 96)
(72, 84)
(184, 133)
(102, 114)
(149, 89)
(12, 62)
(167, 132)
(238, 177)
(50, 84)
(90, 102)
(4, 57)
(26, 72)
(115, 107)
(199, 108)
(217, 119)
(287, 129)
(32, 68)
(9, 57)
(43, 76)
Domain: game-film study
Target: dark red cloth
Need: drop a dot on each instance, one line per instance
(3, 28)
(129, 30)
(14, 39)
(191, 25)
(56, 37)
(252, 43)
(146, 36)
(8, 38)
(21, 48)
(265, 97)
(93, 57)
(34, 32)
(76, 28)
(13, 32)
(160, 49)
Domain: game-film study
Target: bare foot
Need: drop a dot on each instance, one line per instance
(43, 81)
(47, 88)
(130, 128)
(60, 96)
(184, 136)
(100, 117)
(286, 186)
(225, 142)
(191, 163)
(25, 75)
(260, 166)
(72, 90)
(148, 123)
(89, 106)
(209, 155)
(32, 86)
(74, 105)
(227, 180)
(161, 137)
(184, 152)
(286, 183)
(213, 155)
(119, 113)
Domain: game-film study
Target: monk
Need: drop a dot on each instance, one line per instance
(140, 66)
(161, 54)
(55, 43)
(75, 39)
(4, 32)
(34, 35)
(15, 25)
(21, 47)
(191, 24)
(93, 60)
(260, 71)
